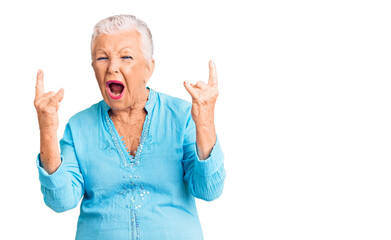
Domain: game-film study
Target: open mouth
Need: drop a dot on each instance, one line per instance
(115, 89)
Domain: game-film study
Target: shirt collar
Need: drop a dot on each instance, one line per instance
(151, 100)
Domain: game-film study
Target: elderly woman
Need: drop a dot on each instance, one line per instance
(138, 157)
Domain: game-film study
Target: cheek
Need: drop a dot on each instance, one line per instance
(131, 74)
(100, 76)
(99, 72)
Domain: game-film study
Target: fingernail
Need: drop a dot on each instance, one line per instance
(186, 82)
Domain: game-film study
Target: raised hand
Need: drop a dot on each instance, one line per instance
(47, 105)
(204, 97)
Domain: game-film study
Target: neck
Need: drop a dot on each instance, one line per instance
(136, 110)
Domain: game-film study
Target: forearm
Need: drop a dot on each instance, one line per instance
(205, 177)
(49, 151)
(62, 182)
(206, 139)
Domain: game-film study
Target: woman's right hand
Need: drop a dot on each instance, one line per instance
(47, 105)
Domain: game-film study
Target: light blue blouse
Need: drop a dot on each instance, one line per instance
(149, 196)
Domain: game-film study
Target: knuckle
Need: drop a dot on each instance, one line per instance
(37, 104)
(46, 111)
(52, 101)
(43, 110)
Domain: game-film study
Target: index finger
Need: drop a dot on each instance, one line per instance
(39, 89)
(212, 74)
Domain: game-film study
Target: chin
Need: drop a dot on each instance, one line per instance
(115, 104)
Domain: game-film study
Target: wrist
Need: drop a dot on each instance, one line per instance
(48, 126)
(205, 126)
(204, 120)
(206, 139)
(46, 132)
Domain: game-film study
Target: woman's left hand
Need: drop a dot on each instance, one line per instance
(204, 98)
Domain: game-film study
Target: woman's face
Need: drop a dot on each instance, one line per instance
(121, 69)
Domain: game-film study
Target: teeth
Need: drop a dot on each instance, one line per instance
(117, 94)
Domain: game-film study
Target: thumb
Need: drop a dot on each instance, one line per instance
(59, 95)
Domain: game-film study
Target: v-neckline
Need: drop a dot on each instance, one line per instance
(123, 145)
(129, 160)
(121, 137)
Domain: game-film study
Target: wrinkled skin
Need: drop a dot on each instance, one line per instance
(119, 57)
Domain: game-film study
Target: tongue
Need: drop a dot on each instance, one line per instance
(116, 88)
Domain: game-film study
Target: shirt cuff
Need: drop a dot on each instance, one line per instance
(55, 180)
(213, 163)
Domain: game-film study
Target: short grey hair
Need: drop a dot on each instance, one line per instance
(124, 22)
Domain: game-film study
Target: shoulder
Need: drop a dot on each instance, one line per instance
(87, 116)
(174, 104)
(175, 110)
(173, 113)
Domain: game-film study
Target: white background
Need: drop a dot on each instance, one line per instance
(303, 114)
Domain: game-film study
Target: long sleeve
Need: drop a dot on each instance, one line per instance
(63, 189)
(204, 177)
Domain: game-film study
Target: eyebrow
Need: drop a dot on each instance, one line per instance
(123, 49)
(99, 50)
(126, 48)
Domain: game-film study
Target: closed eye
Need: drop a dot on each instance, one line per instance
(127, 57)
(102, 58)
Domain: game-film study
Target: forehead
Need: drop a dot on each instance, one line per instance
(114, 42)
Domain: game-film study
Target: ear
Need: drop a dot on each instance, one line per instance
(149, 70)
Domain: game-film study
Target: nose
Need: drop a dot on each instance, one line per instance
(114, 66)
